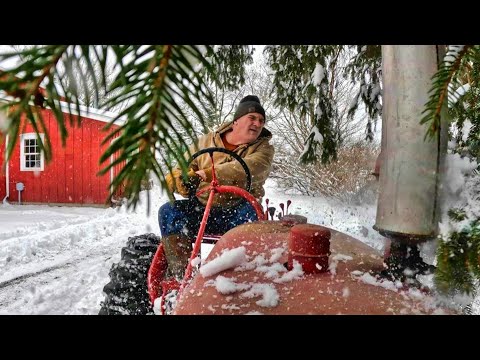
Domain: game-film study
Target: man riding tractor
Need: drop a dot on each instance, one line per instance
(245, 137)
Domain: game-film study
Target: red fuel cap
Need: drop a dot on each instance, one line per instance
(309, 245)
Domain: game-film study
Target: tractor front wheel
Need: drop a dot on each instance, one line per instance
(127, 293)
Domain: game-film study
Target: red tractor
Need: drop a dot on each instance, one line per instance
(266, 267)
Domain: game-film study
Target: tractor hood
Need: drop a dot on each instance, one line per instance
(259, 281)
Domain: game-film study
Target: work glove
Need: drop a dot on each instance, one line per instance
(176, 183)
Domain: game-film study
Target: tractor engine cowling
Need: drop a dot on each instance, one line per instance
(265, 284)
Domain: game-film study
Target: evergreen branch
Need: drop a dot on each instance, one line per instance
(333, 65)
(170, 76)
(365, 68)
(439, 91)
(301, 83)
(458, 258)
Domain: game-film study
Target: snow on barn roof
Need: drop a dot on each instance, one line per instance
(92, 113)
(85, 111)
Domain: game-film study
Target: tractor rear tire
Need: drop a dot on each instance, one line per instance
(127, 293)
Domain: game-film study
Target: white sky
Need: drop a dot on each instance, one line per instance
(55, 260)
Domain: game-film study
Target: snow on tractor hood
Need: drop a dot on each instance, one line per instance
(256, 279)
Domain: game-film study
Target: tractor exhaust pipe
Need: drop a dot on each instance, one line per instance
(407, 208)
(410, 168)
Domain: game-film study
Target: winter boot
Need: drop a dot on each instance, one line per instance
(178, 249)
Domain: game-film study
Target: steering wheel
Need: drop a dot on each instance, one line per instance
(210, 151)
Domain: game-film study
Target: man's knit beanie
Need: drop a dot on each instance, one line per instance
(249, 104)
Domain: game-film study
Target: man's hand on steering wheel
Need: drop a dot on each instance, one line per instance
(176, 183)
(202, 174)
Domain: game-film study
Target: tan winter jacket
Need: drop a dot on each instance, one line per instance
(258, 156)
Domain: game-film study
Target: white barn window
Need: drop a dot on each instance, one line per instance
(31, 157)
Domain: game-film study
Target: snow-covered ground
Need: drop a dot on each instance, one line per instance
(55, 260)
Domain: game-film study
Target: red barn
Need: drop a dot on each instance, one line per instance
(71, 177)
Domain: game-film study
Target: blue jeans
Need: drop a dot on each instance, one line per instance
(184, 217)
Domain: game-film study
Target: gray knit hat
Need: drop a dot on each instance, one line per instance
(249, 104)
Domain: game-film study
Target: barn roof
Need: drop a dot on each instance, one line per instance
(85, 111)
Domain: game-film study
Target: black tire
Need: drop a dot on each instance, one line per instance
(127, 293)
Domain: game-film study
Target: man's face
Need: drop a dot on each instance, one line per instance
(248, 127)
